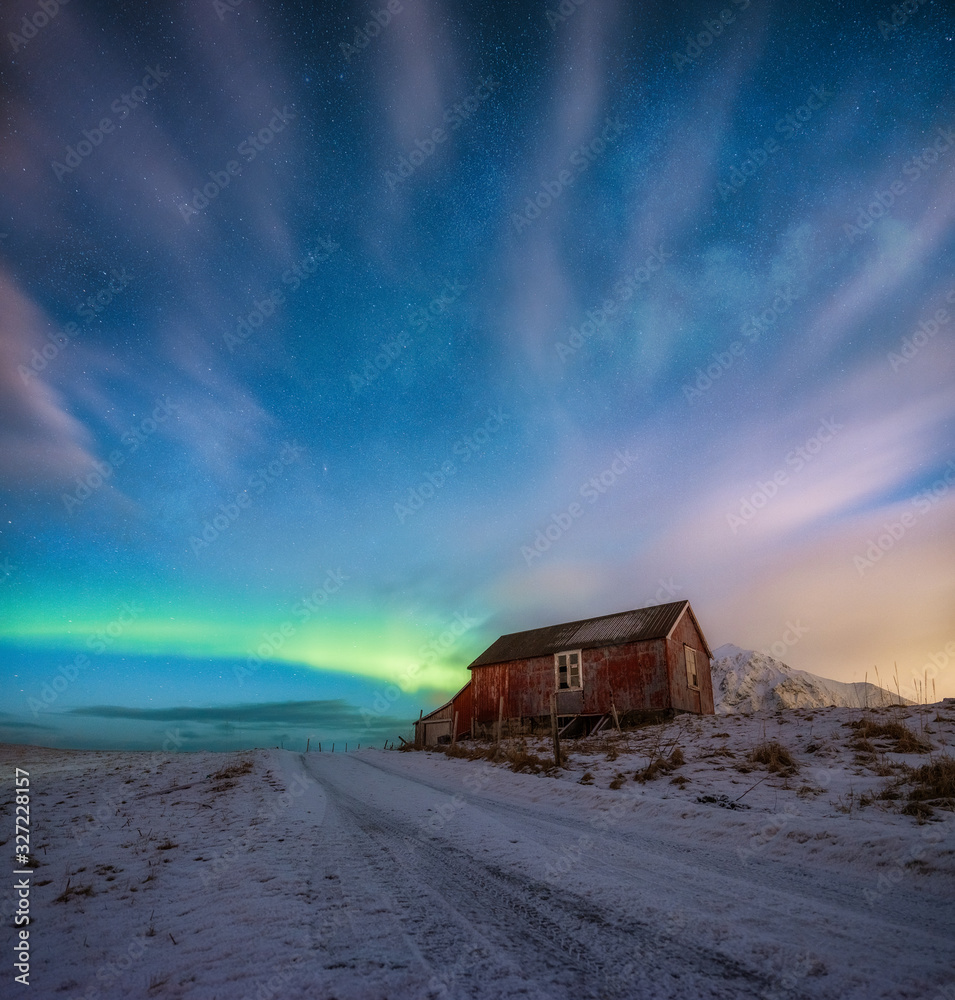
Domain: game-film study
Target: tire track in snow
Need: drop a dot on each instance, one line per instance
(444, 896)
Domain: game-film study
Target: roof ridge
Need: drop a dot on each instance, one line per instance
(596, 618)
(653, 621)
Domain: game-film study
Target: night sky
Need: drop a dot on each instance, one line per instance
(337, 340)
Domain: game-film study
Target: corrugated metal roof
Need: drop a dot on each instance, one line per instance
(608, 630)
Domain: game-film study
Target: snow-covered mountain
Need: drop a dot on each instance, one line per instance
(746, 681)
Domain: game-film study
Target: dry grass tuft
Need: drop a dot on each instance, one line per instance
(517, 757)
(932, 787)
(73, 890)
(233, 772)
(774, 757)
(902, 738)
(521, 760)
(660, 765)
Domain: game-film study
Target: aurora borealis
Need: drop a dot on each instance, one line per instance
(338, 340)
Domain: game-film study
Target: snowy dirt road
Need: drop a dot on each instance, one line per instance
(460, 878)
(465, 921)
(376, 875)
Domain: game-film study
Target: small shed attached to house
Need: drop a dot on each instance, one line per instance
(453, 718)
(633, 664)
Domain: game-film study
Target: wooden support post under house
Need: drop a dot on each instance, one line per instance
(553, 729)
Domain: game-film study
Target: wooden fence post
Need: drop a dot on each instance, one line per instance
(454, 728)
(500, 718)
(553, 729)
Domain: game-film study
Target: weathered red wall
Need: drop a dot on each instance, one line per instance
(633, 675)
(684, 697)
(463, 703)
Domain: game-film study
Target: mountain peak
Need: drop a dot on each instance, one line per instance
(745, 680)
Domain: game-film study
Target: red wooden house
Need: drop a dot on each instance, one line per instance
(634, 663)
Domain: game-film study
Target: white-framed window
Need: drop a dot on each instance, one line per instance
(567, 669)
(692, 677)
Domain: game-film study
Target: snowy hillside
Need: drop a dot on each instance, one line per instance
(746, 681)
(726, 858)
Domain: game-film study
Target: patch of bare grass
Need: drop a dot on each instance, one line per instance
(234, 771)
(774, 757)
(901, 738)
(517, 757)
(521, 760)
(929, 787)
(73, 890)
(660, 766)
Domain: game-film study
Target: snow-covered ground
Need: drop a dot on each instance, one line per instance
(745, 680)
(414, 875)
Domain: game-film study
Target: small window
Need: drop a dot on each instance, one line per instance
(691, 676)
(568, 670)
